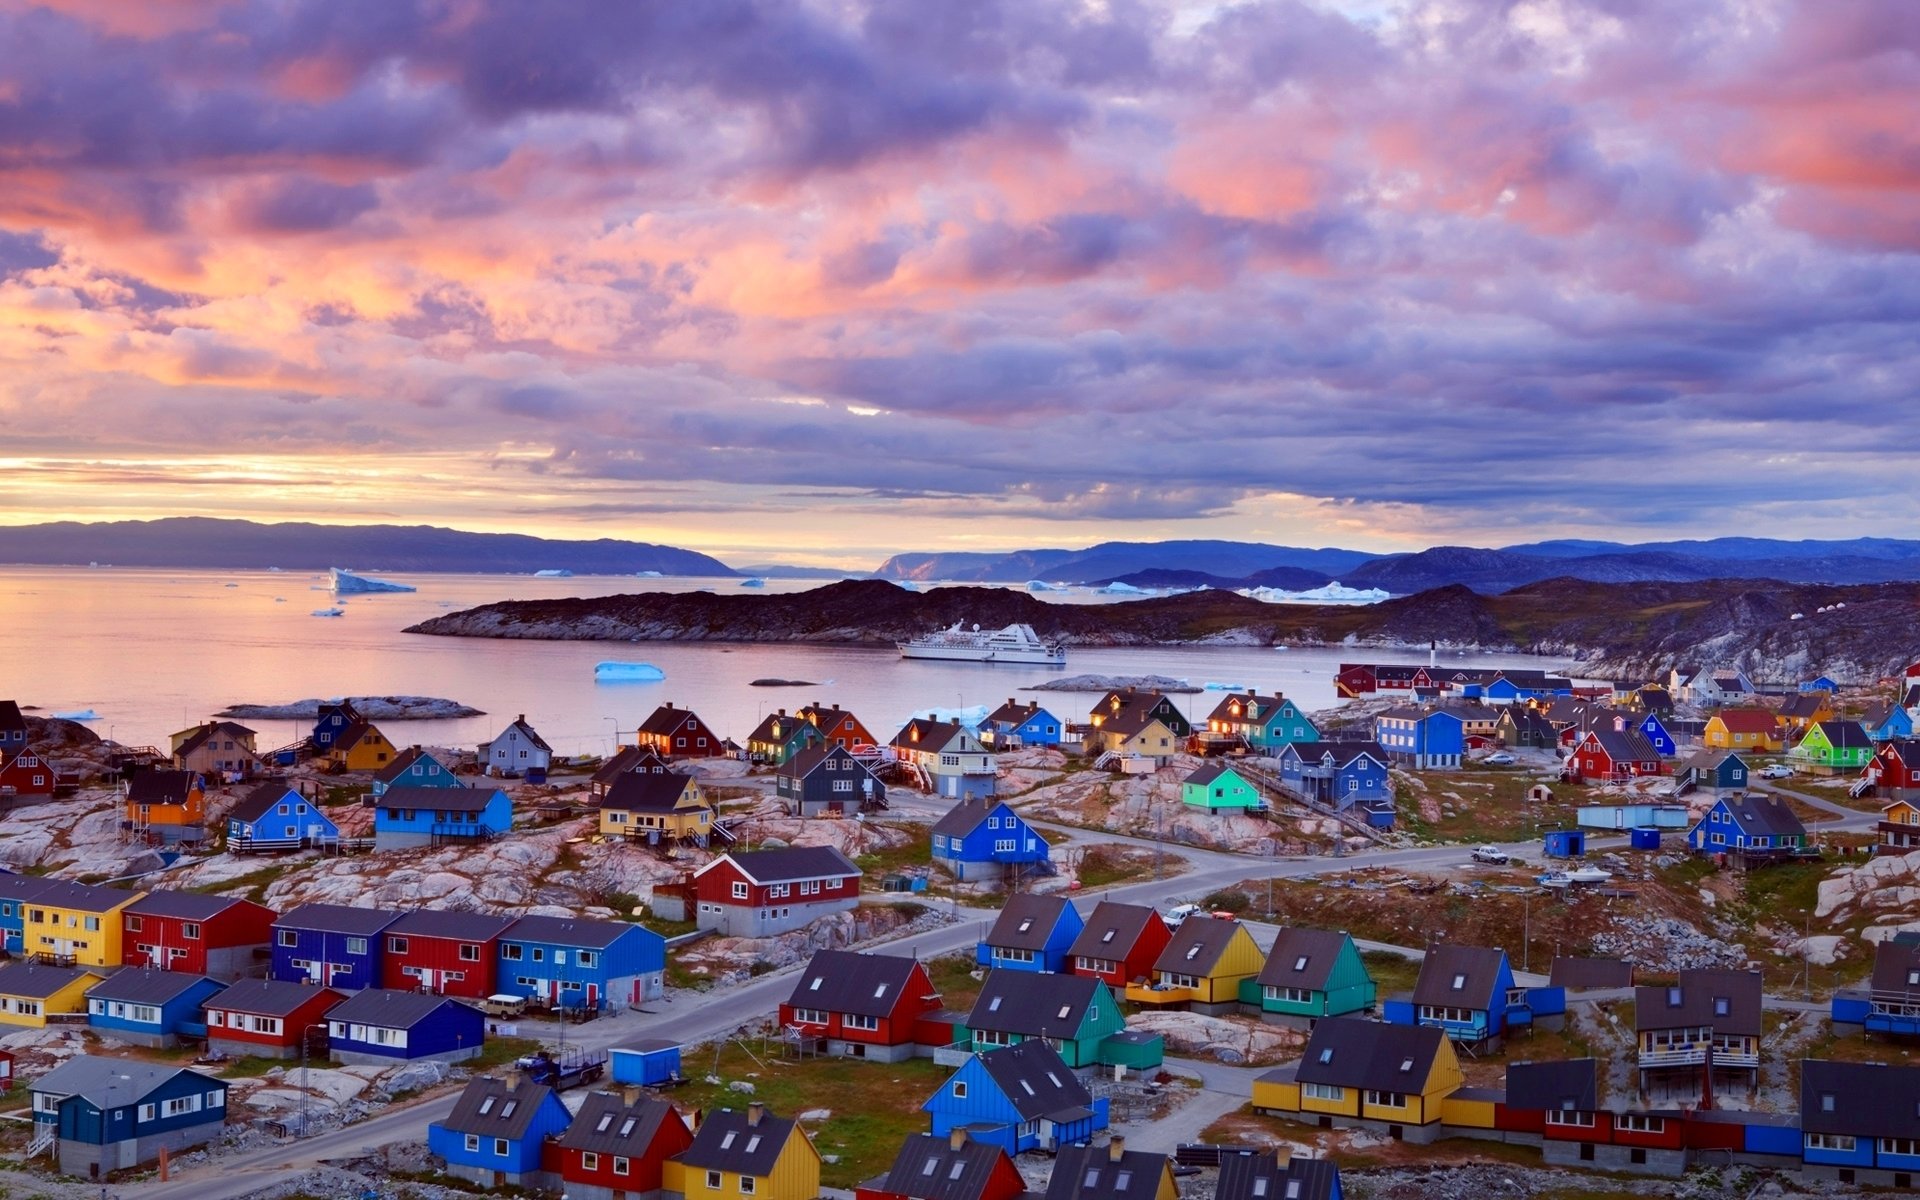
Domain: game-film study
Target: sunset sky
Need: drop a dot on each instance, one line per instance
(821, 281)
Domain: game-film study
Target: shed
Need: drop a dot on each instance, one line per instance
(1566, 843)
(647, 1062)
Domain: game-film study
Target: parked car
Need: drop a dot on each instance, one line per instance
(1776, 771)
(1491, 854)
(1499, 758)
(1181, 912)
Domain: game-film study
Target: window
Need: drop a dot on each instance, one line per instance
(746, 1185)
(1830, 1141)
(396, 945)
(960, 1089)
(739, 891)
(621, 1164)
(146, 1112)
(469, 952)
(190, 931)
(589, 1161)
(472, 1143)
(181, 1105)
(1323, 1091)
(500, 1147)
(1576, 1120)
(713, 1177)
(289, 938)
(858, 1021)
(1637, 1123)
(356, 945)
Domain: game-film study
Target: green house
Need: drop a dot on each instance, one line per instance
(1217, 787)
(1310, 973)
(1834, 746)
(1077, 1013)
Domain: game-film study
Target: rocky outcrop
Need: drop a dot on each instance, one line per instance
(1236, 1042)
(374, 708)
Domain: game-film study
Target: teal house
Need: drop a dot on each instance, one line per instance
(1217, 787)
(1076, 1013)
(1264, 723)
(1309, 974)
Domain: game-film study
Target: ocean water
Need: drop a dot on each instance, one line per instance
(154, 651)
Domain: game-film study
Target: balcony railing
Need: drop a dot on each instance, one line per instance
(1696, 1056)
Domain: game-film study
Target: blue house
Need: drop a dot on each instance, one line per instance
(1468, 993)
(1860, 1122)
(1014, 724)
(981, 838)
(334, 720)
(1885, 721)
(645, 1062)
(275, 817)
(15, 892)
(415, 768)
(1752, 828)
(332, 945)
(1022, 1097)
(1341, 775)
(108, 1114)
(1713, 770)
(567, 963)
(1820, 683)
(496, 1133)
(1421, 737)
(380, 1027)
(1655, 732)
(439, 816)
(151, 1008)
(1890, 1003)
(1032, 933)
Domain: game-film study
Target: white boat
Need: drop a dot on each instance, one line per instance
(1014, 644)
(1588, 875)
(1556, 880)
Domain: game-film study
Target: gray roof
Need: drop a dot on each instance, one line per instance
(112, 1081)
(809, 760)
(269, 997)
(39, 981)
(187, 906)
(389, 1008)
(1765, 816)
(1112, 930)
(1570, 1086)
(1302, 958)
(161, 787)
(1859, 1099)
(568, 931)
(145, 986)
(965, 817)
(262, 800)
(645, 791)
(1350, 1052)
(1475, 968)
(1570, 972)
(1729, 1001)
(847, 981)
(1027, 920)
(1294, 1179)
(460, 799)
(729, 1140)
(1109, 1172)
(490, 1108)
(1197, 945)
(1338, 753)
(1846, 735)
(337, 918)
(1625, 745)
(85, 897)
(629, 760)
(444, 923)
(526, 731)
(1035, 1079)
(1896, 970)
(22, 887)
(1034, 1004)
(790, 864)
(607, 1125)
(1209, 771)
(933, 1168)
(401, 762)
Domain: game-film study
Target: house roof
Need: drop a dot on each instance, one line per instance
(644, 791)
(269, 997)
(1132, 720)
(491, 1108)
(1110, 1172)
(849, 981)
(1908, 749)
(1338, 753)
(1302, 958)
(401, 762)
(337, 918)
(526, 732)
(1569, 1086)
(22, 887)
(1729, 1001)
(631, 759)
(934, 1168)
(1748, 720)
(262, 800)
(1241, 1176)
(1112, 930)
(965, 817)
(828, 718)
(782, 727)
(1014, 713)
(1036, 1080)
(1026, 921)
(1459, 977)
(161, 787)
(1846, 735)
(1264, 706)
(933, 735)
(1878, 712)
(788, 864)
(1034, 1004)
(1624, 745)
(141, 985)
(1806, 704)
(453, 925)
(666, 719)
(1414, 712)
(1197, 945)
(1571, 972)
(606, 1125)
(462, 798)
(1209, 771)
(1708, 760)
(811, 759)
(111, 1082)
(1896, 968)
(187, 906)
(1349, 1052)
(731, 1140)
(12, 720)
(37, 981)
(1764, 816)
(1859, 1099)
(82, 897)
(390, 1008)
(568, 931)
(355, 733)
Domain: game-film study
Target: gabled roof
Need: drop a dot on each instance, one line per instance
(1034, 1004)
(1878, 712)
(787, 864)
(1209, 771)
(269, 997)
(458, 799)
(360, 730)
(1112, 930)
(965, 817)
(200, 735)
(450, 924)
(1571, 972)
(568, 931)
(848, 981)
(932, 735)
(38, 981)
(1339, 754)
(1709, 760)
(812, 758)
(82, 897)
(1416, 713)
(1908, 750)
(1264, 706)
(402, 762)
(112, 1082)
(337, 918)
(526, 734)
(1764, 816)
(1869, 1100)
(1242, 1176)
(1197, 945)
(632, 759)
(1459, 977)
(489, 1108)
(1624, 745)
(606, 1125)
(782, 727)
(1109, 1172)
(262, 800)
(1301, 958)
(644, 791)
(666, 719)
(1845, 735)
(728, 1140)
(22, 887)
(1748, 720)
(1806, 704)
(934, 1168)
(186, 906)
(162, 787)
(1036, 1080)
(1013, 713)
(1349, 1052)
(1026, 921)
(1896, 969)
(1132, 720)
(12, 720)
(1729, 1001)
(143, 985)
(1570, 1086)
(390, 1008)
(827, 718)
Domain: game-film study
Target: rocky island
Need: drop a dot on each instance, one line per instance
(374, 708)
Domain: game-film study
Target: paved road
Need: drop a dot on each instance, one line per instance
(1844, 820)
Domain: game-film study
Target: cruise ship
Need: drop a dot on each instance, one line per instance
(1014, 644)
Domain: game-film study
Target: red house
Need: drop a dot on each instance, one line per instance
(1119, 943)
(26, 776)
(1355, 679)
(1895, 768)
(448, 953)
(677, 733)
(842, 728)
(267, 1017)
(1605, 755)
(760, 893)
(223, 937)
(861, 1005)
(954, 1168)
(613, 1148)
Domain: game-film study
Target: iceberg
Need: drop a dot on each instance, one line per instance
(346, 582)
(553, 573)
(1038, 585)
(1116, 588)
(647, 575)
(1211, 686)
(627, 672)
(329, 612)
(83, 714)
(1330, 593)
(756, 581)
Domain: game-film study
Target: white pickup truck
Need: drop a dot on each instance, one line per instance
(1491, 854)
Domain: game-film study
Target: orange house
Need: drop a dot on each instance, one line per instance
(171, 805)
(842, 728)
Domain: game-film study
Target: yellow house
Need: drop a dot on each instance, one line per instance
(75, 923)
(1359, 1070)
(641, 805)
(751, 1153)
(1202, 966)
(1752, 729)
(362, 747)
(31, 992)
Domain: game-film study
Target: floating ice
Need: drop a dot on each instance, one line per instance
(1211, 686)
(1039, 585)
(329, 612)
(83, 714)
(344, 582)
(971, 717)
(647, 575)
(1331, 593)
(553, 573)
(627, 672)
(907, 585)
(1116, 588)
(754, 582)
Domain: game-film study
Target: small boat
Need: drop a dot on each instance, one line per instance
(329, 612)
(1014, 644)
(1588, 875)
(1556, 880)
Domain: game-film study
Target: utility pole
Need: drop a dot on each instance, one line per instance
(1157, 851)
(1526, 933)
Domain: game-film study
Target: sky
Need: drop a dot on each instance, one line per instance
(819, 281)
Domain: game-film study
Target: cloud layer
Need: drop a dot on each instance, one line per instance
(849, 276)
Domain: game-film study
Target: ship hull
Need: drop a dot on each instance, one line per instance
(982, 654)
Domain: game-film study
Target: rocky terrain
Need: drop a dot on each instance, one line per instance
(374, 708)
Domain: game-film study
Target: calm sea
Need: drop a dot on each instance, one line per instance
(155, 651)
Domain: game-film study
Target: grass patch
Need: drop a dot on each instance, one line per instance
(1102, 866)
(499, 1051)
(915, 854)
(1390, 972)
(254, 1066)
(1489, 804)
(952, 977)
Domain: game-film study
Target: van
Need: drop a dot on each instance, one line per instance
(1180, 912)
(504, 1006)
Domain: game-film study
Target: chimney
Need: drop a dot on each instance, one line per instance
(1116, 1147)
(512, 1078)
(956, 1138)
(755, 1111)
(521, 719)
(630, 1094)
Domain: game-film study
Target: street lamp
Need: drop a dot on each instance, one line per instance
(613, 735)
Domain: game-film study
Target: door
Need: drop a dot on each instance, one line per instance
(156, 957)
(427, 977)
(593, 995)
(316, 972)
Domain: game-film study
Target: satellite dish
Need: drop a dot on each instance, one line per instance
(976, 627)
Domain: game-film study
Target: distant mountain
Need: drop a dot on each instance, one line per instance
(1494, 571)
(783, 571)
(1115, 560)
(1287, 579)
(215, 542)
(1736, 549)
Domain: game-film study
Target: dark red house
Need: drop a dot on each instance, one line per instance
(268, 1017)
(26, 776)
(613, 1148)
(1355, 679)
(223, 937)
(1119, 943)
(760, 893)
(678, 733)
(448, 953)
(1605, 755)
(861, 1005)
(1895, 768)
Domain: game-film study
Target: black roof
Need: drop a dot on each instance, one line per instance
(1338, 753)
(1033, 1004)
(1350, 1052)
(848, 981)
(1805, 704)
(631, 758)
(1027, 920)
(568, 931)
(645, 791)
(965, 817)
(1459, 977)
(401, 761)
(444, 923)
(337, 918)
(1570, 1086)
(1624, 745)
(262, 800)
(791, 863)
(1112, 930)
(1302, 958)
(1570, 972)
(187, 906)
(1197, 945)
(731, 1140)
(12, 720)
(1765, 816)
(1896, 969)
(161, 786)
(84, 897)
(145, 986)
(932, 735)
(490, 1108)
(1110, 1172)
(809, 760)
(1036, 1080)
(666, 719)
(1859, 1099)
(1846, 735)
(1729, 1001)
(934, 1168)
(458, 799)
(781, 727)
(608, 1125)
(269, 997)
(1015, 713)
(390, 1008)
(1293, 1179)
